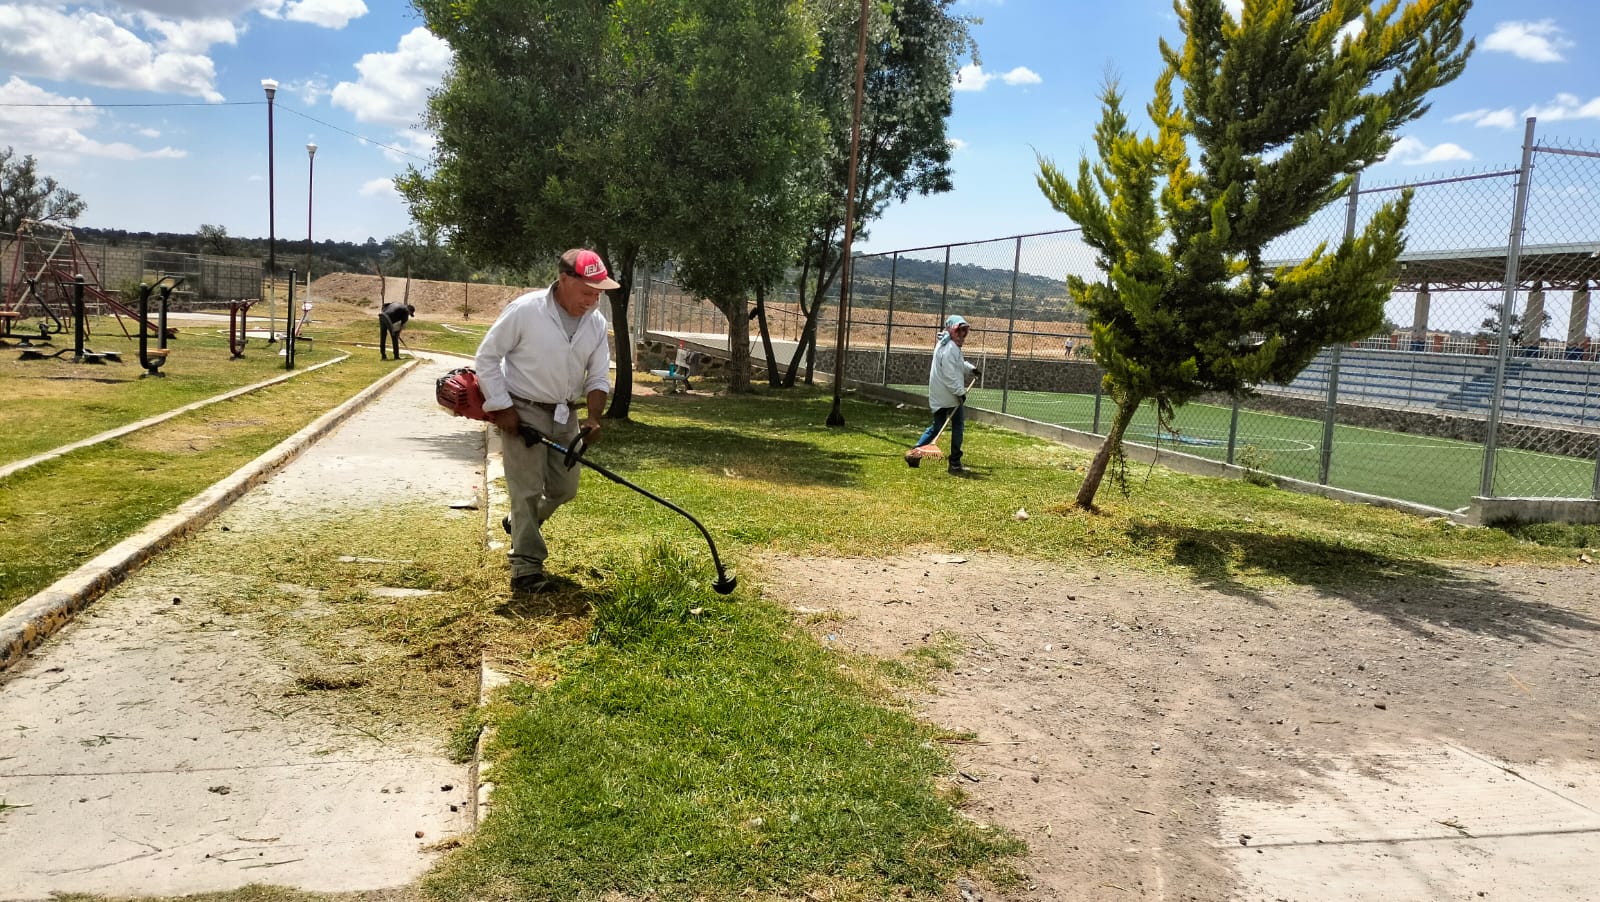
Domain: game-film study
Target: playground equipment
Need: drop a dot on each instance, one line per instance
(79, 332)
(152, 359)
(44, 274)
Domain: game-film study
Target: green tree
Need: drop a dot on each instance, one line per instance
(914, 48)
(1519, 332)
(1282, 107)
(214, 240)
(622, 125)
(530, 157)
(26, 195)
(745, 141)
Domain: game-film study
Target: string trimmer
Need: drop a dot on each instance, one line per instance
(458, 392)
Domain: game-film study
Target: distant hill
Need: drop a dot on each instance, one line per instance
(973, 291)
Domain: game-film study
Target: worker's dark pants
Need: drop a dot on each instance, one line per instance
(388, 333)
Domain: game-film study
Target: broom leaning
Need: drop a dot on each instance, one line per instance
(930, 450)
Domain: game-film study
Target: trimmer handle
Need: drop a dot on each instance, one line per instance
(578, 445)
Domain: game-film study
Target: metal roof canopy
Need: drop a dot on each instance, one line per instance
(1552, 266)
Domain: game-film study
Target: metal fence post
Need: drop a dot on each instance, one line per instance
(1011, 327)
(888, 328)
(1513, 261)
(1099, 395)
(1330, 410)
(944, 285)
(1233, 429)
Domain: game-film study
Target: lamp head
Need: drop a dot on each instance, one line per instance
(311, 150)
(270, 85)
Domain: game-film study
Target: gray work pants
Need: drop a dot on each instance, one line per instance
(538, 481)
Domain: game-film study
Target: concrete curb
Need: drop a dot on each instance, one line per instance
(481, 772)
(489, 679)
(146, 423)
(26, 626)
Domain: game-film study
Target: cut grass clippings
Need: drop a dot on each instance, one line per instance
(61, 513)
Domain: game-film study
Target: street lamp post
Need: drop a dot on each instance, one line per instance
(271, 87)
(311, 176)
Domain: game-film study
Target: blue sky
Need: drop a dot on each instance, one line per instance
(176, 135)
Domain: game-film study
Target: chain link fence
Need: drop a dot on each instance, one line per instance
(52, 256)
(1451, 400)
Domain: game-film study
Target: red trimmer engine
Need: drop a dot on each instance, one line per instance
(457, 391)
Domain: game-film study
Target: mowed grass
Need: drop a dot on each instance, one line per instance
(665, 742)
(1437, 472)
(59, 514)
(54, 402)
(764, 473)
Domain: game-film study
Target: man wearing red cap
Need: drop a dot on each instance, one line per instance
(545, 349)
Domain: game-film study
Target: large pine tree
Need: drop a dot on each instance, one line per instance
(1281, 107)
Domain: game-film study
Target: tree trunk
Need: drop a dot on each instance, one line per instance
(766, 339)
(800, 340)
(1102, 458)
(808, 337)
(622, 390)
(738, 342)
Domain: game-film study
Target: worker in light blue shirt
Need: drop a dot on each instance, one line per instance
(948, 378)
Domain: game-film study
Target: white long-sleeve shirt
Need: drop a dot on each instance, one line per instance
(947, 377)
(527, 353)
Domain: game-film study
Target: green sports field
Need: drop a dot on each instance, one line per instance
(1438, 472)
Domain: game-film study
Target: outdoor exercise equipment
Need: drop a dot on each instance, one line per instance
(238, 324)
(44, 274)
(458, 392)
(290, 335)
(80, 331)
(152, 359)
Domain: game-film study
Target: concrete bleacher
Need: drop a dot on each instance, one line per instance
(1563, 392)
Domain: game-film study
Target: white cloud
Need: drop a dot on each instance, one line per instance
(1566, 106)
(393, 89)
(192, 35)
(1234, 7)
(971, 77)
(327, 13)
(149, 132)
(379, 188)
(1505, 117)
(1022, 75)
(1411, 152)
(1540, 41)
(310, 90)
(89, 47)
(58, 131)
(956, 144)
(203, 9)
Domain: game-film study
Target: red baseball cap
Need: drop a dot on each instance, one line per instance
(587, 265)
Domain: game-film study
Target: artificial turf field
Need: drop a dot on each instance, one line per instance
(1438, 472)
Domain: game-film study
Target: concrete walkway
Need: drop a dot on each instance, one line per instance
(149, 748)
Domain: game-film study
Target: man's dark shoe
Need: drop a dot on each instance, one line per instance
(505, 524)
(957, 470)
(530, 584)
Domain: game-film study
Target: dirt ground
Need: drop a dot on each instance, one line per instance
(1119, 721)
(433, 300)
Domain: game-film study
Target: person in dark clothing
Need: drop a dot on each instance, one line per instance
(391, 319)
